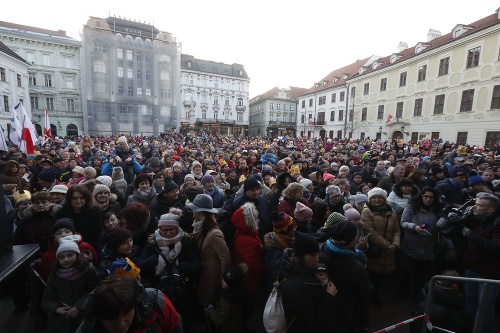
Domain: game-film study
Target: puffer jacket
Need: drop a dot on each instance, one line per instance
(248, 247)
(416, 245)
(375, 222)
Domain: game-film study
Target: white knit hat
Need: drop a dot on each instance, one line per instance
(100, 188)
(122, 139)
(377, 191)
(66, 245)
(171, 218)
(105, 180)
(305, 182)
(189, 175)
(332, 190)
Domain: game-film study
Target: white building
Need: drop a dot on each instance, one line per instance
(53, 78)
(214, 96)
(275, 112)
(13, 84)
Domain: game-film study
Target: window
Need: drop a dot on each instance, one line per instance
(383, 84)
(148, 92)
(399, 110)
(49, 101)
(69, 82)
(139, 74)
(467, 99)
(163, 93)
(421, 73)
(380, 114)
(148, 75)
(341, 115)
(302, 118)
(462, 138)
(240, 101)
(2, 74)
(342, 94)
(138, 56)
(271, 106)
(495, 100)
(417, 109)
(310, 102)
(439, 104)
(120, 90)
(130, 91)
(46, 59)
(334, 98)
(71, 105)
(332, 115)
(278, 106)
(204, 114)
(99, 66)
(303, 104)
(402, 79)
(492, 138)
(322, 100)
(291, 107)
(48, 80)
(32, 79)
(6, 102)
(444, 64)
(353, 92)
(68, 62)
(129, 55)
(120, 71)
(119, 53)
(226, 101)
(30, 56)
(366, 89)
(473, 57)
(99, 47)
(34, 102)
(139, 92)
(216, 116)
(147, 58)
(351, 115)
(364, 114)
(130, 73)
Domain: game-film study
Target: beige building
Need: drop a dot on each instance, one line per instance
(446, 87)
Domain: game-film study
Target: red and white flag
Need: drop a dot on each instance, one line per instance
(27, 145)
(47, 132)
(389, 117)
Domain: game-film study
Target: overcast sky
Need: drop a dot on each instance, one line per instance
(280, 43)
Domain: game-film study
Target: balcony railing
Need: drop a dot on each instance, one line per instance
(220, 121)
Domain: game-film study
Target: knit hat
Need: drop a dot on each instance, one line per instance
(333, 218)
(436, 170)
(63, 223)
(48, 175)
(333, 190)
(124, 267)
(342, 232)
(171, 218)
(59, 189)
(206, 179)
(67, 246)
(475, 179)
(305, 182)
(360, 198)
(122, 139)
(251, 183)
(170, 185)
(90, 171)
(141, 177)
(327, 176)
(117, 173)
(302, 212)
(457, 172)
(282, 223)
(195, 162)
(177, 164)
(105, 180)
(100, 188)
(351, 214)
(377, 191)
(115, 237)
(189, 175)
(304, 244)
(78, 169)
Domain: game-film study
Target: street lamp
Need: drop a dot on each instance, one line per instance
(403, 130)
(380, 131)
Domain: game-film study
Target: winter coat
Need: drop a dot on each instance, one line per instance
(376, 223)
(228, 314)
(36, 227)
(387, 183)
(338, 208)
(398, 201)
(272, 257)
(451, 192)
(215, 259)
(8, 177)
(71, 292)
(265, 224)
(160, 205)
(108, 256)
(265, 158)
(308, 307)
(217, 197)
(87, 223)
(248, 249)
(49, 257)
(352, 302)
(143, 199)
(123, 153)
(120, 184)
(287, 205)
(416, 245)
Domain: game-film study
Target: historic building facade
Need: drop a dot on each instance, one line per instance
(213, 97)
(131, 74)
(275, 112)
(53, 78)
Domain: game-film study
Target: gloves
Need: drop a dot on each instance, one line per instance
(466, 232)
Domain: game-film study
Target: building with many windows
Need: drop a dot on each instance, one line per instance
(214, 97)
(53, 77)
(131, 74)
(275, 112)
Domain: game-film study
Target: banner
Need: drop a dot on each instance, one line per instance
(47, 131)
(15, 126)
(389, 117)
(28, 124)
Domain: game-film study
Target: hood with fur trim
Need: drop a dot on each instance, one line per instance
(244, 220)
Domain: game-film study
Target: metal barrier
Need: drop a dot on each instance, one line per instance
(480, 310)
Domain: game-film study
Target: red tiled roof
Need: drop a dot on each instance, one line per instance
(60, 33)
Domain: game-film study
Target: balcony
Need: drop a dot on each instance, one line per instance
(219, 121)
(320, 122)
(278, 123)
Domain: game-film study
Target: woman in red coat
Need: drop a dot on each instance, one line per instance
(248, 247)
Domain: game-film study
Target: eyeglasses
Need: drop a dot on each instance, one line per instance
(425, 196)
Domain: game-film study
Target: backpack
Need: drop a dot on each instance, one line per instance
(274, 314)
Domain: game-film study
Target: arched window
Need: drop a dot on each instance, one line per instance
(38, 129)
(71, 129)
(53, 129)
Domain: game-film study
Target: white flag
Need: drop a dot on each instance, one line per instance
(3, 142)
(47, 131)
(29, 124)
(16, 127)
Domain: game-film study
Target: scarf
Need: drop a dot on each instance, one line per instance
(197, 224)
(171, 253)
(148, 194)
(283, 240)
(72, 273)
(138, 233)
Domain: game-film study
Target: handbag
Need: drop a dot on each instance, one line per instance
(171, 282)
(374, 251)
(274, 314)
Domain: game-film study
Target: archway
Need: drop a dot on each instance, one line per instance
(53, 129)
(71, 129)
(397, 135)
(322, 133)
(38, 129)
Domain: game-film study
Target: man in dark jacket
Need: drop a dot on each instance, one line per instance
(451, 188)
(388, 182)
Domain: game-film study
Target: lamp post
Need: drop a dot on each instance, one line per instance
(403, 130)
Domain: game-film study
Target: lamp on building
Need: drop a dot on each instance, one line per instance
(59, 124)
(380, 131)
(39, 118)
(403, 130)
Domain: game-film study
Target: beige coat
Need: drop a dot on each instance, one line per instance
(215, 259)
(375, 223)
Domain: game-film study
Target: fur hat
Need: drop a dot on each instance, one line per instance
(124, 267)
(291, 189)
(115, 237)
(342, 232)
(105, 180)
(302, 212)
(304, 244)
(171, 218)
(377, 191)
(333, 218)
(67, 246)
(333, 190)
(245, 213)
(63, 223)
(117, 173)
(282, 223)
(100, 188)
(351, 214)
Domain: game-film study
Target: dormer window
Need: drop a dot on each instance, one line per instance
(189, 64)
(344, 77)
(374, 65)
(215, 68)
(393, 59)
(240, 72)
(324, 83)
(460, 29)
(335, 79)
(361, 70)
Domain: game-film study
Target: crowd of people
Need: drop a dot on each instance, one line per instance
(162, 233)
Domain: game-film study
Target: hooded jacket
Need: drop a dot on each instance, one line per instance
(13, 178)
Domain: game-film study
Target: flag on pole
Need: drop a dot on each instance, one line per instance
(389, 117)
(47, 131)
(15, 126)
(3, 143)
(27, 122)
(27, 145)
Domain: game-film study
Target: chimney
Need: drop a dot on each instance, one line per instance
(433, 34)
(402, 46)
